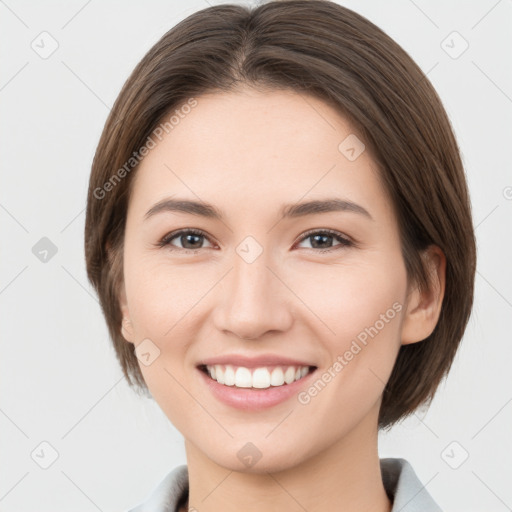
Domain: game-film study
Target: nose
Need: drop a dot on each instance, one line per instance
(253, 300)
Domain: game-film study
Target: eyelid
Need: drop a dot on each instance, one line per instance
(336, 234)
(165, 240)
(345, 241)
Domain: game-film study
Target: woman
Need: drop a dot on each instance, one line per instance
(279, 230)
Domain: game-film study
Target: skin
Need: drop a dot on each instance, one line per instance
(249, 152)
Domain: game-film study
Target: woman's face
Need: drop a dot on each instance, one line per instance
(255, 283)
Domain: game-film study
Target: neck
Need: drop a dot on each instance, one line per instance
(344, 477)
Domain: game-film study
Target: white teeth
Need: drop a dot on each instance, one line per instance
(243, 378)
(229, 376)
(289, 375)
(217, 374)
(260, 378)
(277, 377)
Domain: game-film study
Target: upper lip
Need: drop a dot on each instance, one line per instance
(254, 361)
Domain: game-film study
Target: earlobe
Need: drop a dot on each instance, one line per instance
(126, 324)
(424, 307)
(127, 330)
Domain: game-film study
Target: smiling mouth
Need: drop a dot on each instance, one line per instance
(262, 377)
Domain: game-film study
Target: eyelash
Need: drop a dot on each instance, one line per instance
(344, 242)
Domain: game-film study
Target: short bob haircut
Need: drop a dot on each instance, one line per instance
(320, 48)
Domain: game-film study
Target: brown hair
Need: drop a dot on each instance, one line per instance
(320, 48)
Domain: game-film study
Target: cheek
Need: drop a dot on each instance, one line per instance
(361, 305)
(348, 298)
(159, 295)
(159, 300)
(368, 326)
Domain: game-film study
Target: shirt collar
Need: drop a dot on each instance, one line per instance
(402, 485)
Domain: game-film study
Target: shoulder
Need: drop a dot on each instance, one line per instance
(404, 487)
(167, 494)
(400, 481)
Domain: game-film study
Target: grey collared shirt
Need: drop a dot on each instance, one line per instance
(402, 485)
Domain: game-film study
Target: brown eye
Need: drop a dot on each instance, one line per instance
(190, 239)
(322, 240)
(193, 240)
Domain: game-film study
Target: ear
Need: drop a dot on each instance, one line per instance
(126, 323)
(423, 308)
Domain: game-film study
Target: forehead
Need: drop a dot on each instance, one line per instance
(256, 147)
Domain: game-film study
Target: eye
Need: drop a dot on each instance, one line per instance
(321, 240)
(189, 238)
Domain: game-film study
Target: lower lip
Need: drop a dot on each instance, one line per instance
(251, 399)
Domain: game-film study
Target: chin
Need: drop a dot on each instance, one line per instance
(255, 457)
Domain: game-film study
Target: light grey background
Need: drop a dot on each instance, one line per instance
(61, 383)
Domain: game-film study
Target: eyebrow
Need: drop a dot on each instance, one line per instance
(287, 211)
